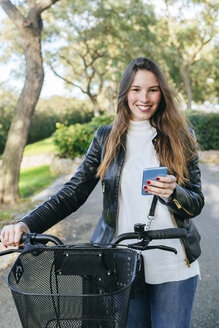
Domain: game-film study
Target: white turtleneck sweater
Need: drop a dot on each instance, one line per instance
(160, 266)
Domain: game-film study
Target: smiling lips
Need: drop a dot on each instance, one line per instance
(144, 109)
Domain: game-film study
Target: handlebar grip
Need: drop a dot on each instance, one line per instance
(41, 238)
(167, 233)
(36, 237)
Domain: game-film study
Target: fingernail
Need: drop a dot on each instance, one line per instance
(148, 182)
(6, 246)
(158, 179)
(145, 187)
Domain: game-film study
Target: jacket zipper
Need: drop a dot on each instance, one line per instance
(179, 206)
(186, 259)
(118, 196)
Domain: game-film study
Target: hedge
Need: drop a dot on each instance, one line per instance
(44, 123)
(206, 127)
(74, 140)
(5, 122)
(48, 112)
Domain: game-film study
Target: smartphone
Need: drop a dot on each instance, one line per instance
(151, 174)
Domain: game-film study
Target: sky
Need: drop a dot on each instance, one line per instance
(52, 85)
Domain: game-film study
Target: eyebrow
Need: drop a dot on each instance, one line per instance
(138, 86)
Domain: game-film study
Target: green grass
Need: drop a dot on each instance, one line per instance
(33, 180)
(40, 147)
(5, 214)
(11, 213)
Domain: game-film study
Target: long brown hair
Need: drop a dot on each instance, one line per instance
(175, 145)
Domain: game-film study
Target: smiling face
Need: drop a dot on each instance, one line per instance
(144, 95)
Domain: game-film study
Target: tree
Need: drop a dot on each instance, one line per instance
(89, 55)
(98, 41)
(186, 38)
(28, 21)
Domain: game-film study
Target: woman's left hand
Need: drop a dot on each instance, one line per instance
(163, 186)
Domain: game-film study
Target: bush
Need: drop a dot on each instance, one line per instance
(7, 104)
(5, 122)
(206, 127)
(57, 109)
(48, 112)
(74, 140)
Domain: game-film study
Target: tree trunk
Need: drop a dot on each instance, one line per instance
(95, 105)
(111, 100)
(17, 136)
(186, 80)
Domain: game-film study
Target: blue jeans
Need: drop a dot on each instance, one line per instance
(167, 305)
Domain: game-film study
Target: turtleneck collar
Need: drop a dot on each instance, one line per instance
(141, 129)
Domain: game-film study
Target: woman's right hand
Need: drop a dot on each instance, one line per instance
(11, 234)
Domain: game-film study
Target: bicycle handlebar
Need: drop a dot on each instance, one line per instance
(152, 234)
(168, 233)
(40, 238)
(30, 239)
(33, 238)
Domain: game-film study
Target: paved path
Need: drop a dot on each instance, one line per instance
(79, 226)
(206, 308)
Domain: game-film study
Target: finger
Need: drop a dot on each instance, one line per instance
(17, 236)
(166, 193)
(163, 195)
(11, 237)
(4, 235)
(167, 179)
(162, 185)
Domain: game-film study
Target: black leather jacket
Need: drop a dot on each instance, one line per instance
(185, 204)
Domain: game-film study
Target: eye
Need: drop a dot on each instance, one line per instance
(154, 90)
(135, 89)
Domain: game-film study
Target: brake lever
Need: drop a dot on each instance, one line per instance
(10, 251)
(142, 247)
(162, 247)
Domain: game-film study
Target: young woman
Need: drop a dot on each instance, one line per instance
(148, 131)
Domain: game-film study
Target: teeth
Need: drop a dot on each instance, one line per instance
(144, 107)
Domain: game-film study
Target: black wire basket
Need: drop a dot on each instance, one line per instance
(63, 287)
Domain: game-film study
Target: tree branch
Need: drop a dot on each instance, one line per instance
(43, 5)
(199, 50)
(38, 8)
(13, 13)
(66, 80)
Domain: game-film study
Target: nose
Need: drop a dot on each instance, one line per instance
(144, 96)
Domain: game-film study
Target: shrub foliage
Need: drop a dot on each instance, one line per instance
(206, 127)
(48, 112)
(74, 140)
(73, 132)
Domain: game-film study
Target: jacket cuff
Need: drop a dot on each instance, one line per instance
(176, 202)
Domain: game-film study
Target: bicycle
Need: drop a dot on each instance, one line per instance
(78, 286)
